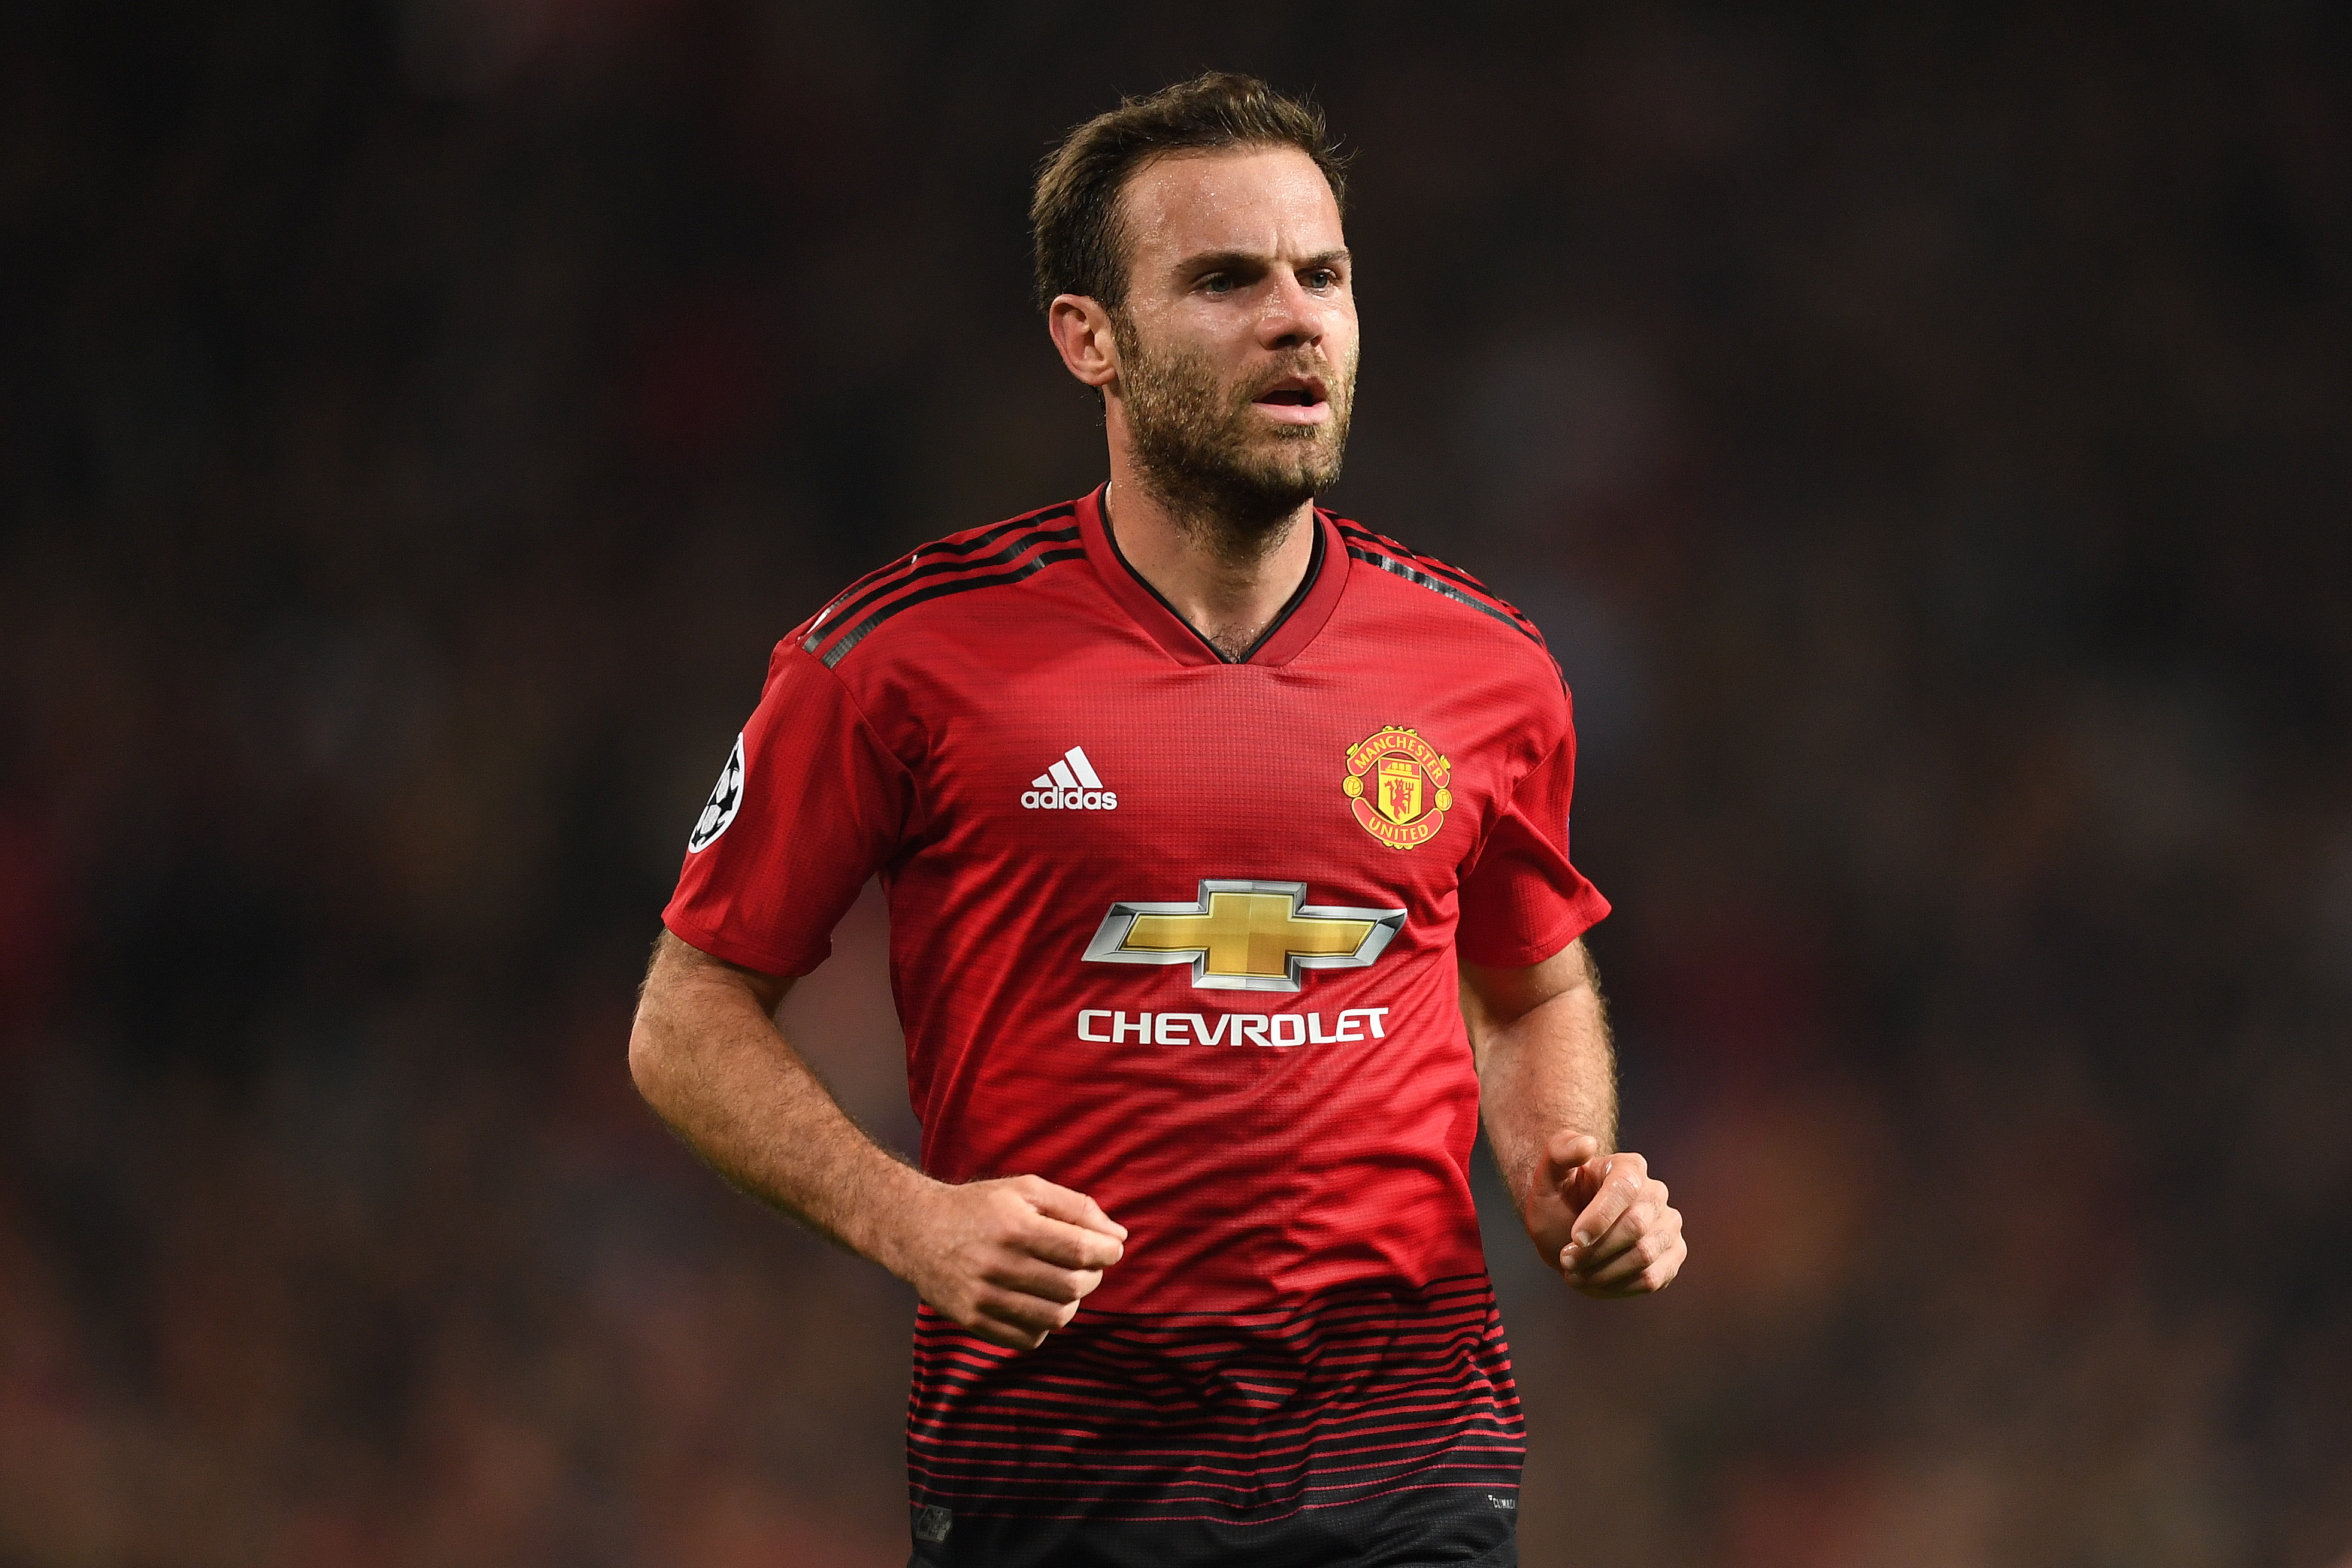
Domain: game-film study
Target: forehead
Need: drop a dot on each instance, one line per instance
(1263, 201)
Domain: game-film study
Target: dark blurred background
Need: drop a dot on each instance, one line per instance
(1925, 434)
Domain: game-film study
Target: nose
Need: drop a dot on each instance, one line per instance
(1292, 318)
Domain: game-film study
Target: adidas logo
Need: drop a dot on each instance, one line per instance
(1070, 784)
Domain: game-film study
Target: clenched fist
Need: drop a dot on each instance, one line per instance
(1009, 1259)
(1602, 1220)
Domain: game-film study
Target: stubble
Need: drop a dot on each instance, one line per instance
(1211, 461)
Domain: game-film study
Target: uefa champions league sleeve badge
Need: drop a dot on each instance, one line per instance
(726, 800)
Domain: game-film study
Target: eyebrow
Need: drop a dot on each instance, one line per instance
(1223, 260)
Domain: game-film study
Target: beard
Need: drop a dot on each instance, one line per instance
(1223, 471)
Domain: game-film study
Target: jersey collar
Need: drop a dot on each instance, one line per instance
(1310, 607)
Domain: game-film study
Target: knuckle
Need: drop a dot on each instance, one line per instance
(1030, 1319)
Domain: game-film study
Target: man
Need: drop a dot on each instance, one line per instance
(1191, 802)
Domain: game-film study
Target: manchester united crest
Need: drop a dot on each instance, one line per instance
(1396, 785)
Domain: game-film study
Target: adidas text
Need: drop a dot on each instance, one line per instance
(1070, 784)
(1070, 800)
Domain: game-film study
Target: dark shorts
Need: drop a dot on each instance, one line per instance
(1456, 1527)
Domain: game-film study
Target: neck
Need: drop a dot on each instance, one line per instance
(1228, 577)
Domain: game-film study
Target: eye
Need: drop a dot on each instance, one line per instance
(1216, 283)
(1322, 278)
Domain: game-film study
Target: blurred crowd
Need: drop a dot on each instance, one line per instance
(1926, 436)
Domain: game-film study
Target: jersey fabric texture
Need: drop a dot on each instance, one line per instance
(1180, 933)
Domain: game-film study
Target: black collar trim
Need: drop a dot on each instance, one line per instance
(1289, 608)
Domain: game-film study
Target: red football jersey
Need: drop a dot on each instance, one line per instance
(1181, 933)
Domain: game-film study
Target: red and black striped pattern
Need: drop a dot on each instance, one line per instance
(980, 557)
(1428, 572)
(1231, 1419)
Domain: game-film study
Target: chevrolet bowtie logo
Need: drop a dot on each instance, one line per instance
(1244, 936)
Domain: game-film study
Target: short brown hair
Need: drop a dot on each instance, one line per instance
(1075, 212)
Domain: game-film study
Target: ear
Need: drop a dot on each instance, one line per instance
(1081, 330)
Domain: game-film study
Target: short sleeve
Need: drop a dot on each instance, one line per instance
(809, 804)
(1523, 901)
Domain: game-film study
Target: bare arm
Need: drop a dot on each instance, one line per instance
(1548, 1085)
(1009, 1259)
(1546, 1064)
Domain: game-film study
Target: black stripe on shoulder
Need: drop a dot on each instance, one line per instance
(1010, 552)
(1366, 537)
(1397, 568)
(978, 538)
(910, 565)
(916, 567)
(1432, 567)
(1497, 608)
(859, 633)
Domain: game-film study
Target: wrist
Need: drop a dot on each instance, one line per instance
(893, 1216)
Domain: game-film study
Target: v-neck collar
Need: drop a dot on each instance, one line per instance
(1296, 626)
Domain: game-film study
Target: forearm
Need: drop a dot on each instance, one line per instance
(1550, 1070)
(713, 1065)
(1547, 1081)
(1009, 1258)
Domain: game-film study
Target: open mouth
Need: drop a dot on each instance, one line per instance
(1296, 397)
